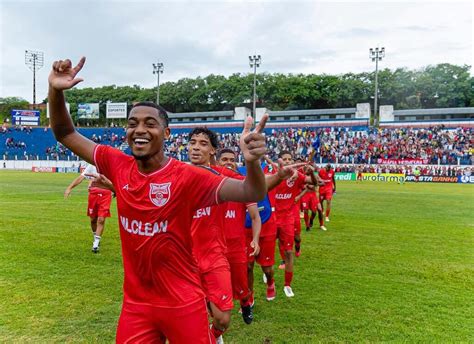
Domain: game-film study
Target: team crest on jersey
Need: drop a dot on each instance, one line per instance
(160, 193)
(290, 182)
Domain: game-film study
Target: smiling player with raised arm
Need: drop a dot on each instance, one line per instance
(156, 199)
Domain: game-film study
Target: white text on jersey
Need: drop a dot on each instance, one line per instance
(140, 228)
(202, 212)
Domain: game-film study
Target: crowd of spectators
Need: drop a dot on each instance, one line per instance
(435, 145)
(445, 171)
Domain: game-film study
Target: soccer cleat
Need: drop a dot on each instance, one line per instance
(247, 314)
(220, 340)
(308, 229)
(327, 219)
(271, 292)
(264, 278)
(95, 249)
(281, 266)
(323, 228)
(298, 253)
(288, 291)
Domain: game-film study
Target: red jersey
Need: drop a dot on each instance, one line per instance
(209, 237)
(285, 194)
(155, 213)
(327, 177)
(269, 228)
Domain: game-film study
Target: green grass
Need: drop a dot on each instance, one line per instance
(396, 264)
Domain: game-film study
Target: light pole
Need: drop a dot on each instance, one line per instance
(376, 55)
(34, 60)
(255, 62)
(158, 69)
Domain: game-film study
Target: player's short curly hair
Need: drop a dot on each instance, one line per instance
(210, 134)
(284, 152)
(162, 113)
(224, 150)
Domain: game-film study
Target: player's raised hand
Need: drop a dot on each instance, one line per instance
(252, 143)
(63, 74)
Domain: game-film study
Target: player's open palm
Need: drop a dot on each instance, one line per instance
(63, 74)
(252, 143)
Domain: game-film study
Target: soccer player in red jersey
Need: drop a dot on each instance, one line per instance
(220, 281)
(235, 235)
(157, 197)
(98, 204)
(327, 175)
(285, 195)
(310, 202)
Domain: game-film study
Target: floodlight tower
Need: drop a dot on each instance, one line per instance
(34, 60)
(376, 55)
(254, 62)
(158, 69)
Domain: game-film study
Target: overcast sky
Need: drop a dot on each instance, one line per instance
(121, 39)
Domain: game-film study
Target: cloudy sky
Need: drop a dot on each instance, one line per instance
(121, 39)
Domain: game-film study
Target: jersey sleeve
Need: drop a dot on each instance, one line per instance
(203, 186)
(107, 159)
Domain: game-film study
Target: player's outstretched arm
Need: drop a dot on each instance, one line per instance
(73, 184)
(252, 145)
(63, 77)
(283, 172)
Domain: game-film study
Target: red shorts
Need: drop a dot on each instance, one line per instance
(297, 221)
(150, 324)
(99, 204)
(248, 248)
(286, 235)
(217, 286)
(236, 250)
(266, 257)
(325, 195)
(240, 285)
(309, 201)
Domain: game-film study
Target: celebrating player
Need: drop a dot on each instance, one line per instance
(157, 197)
(235, 235)
(326, 191)
(285, 194)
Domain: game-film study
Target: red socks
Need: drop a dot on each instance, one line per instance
(270, 282)
(288, 278)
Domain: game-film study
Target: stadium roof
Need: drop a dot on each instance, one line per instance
(202, 114)
(312, 112)
(441, 111)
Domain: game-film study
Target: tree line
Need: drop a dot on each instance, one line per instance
(437, 86)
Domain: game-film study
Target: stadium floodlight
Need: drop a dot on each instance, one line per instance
(34, 60)
(254, 62)
(158, 69)
(376, 55)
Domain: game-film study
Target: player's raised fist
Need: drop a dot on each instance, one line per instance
(63, 74)
(252, 143)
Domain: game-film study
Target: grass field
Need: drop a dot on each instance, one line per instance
(396, 264)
